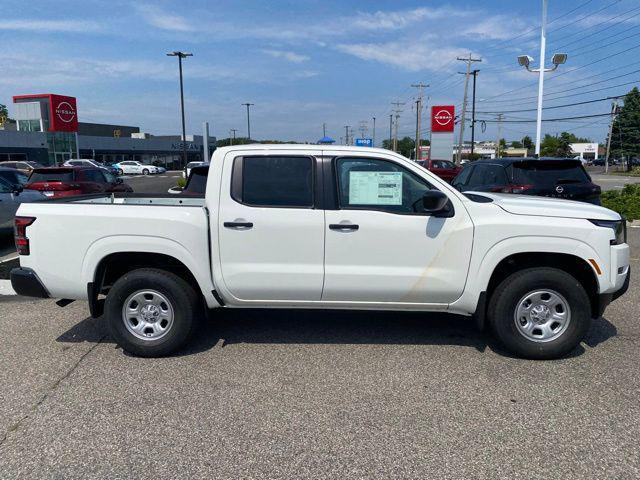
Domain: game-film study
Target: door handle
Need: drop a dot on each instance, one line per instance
(238, 224)
(343, 226)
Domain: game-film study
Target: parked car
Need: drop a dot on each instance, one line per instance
(25, 167)
(545, 177)
(70, 181)
(86, 162)
(196, 183)
(11, 196)
(318, 226)
(445, 169)
(161, 169)
(189, 166)
(129, 167)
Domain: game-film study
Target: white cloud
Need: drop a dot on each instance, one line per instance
(61, 26)
(289, 56)
(164, 20)
(497, 27)
(412, 55)
(402, 18)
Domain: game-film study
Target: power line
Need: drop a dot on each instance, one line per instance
(556, 106)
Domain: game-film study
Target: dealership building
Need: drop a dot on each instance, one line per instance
(47, 131)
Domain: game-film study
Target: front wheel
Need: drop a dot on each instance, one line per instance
(151, 312)
(540, 313)
(145, 172)
(120, 172)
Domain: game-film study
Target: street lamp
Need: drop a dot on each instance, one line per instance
(557, 60)
(180, 56)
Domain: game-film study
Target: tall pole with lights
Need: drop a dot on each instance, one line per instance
(525, 61)
(180, 56)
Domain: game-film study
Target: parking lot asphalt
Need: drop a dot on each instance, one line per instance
(315, 394)
(611, 181)
(153, 183)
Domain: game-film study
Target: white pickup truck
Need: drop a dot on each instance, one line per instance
(303, 226)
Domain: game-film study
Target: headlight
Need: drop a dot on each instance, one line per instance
(619, 228)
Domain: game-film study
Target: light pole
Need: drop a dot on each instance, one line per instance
(525, 61)
(180, 56)
(248, 120)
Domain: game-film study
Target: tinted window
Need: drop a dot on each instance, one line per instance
(488, 175)
(51, 176)
(446, 164)
(541, 173)
(277, 181)
(476, 176)
(463, 176)
(93, 176)
(197, 181)
(14, 178)
(379, 185)
(5, 187)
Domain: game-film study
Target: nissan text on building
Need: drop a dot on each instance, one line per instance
(49, 132)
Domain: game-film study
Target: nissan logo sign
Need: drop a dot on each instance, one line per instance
(559, 189)
(443, 117)
(65, 112)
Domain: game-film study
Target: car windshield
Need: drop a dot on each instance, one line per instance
(541, 173)
(51, 176)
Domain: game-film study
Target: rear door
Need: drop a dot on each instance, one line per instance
(271, 235)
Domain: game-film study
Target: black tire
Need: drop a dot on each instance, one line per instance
(182, 298)
(120, 172)
(505, 300)
(145, 172)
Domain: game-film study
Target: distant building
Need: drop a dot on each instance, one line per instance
(586, 151)
(47, 131)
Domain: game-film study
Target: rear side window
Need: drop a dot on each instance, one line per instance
(14, 178)
(488, 175)
(51, 176)
(550, 174)
(274, 181)
(197, 181)
(463, 176)
(93, 176)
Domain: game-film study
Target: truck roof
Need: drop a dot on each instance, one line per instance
(302, 146)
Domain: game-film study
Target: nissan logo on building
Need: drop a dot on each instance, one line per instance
(65, 112)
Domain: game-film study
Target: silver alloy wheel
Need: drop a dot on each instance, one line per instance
(542, 315)
(147, 314)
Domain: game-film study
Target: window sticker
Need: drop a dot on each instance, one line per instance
(375, 188)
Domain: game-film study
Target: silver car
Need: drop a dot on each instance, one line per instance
(12, 195)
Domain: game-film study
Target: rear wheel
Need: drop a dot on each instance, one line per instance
(145, 171)
(151, 312)
(540, 313)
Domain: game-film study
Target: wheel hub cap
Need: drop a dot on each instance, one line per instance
(542, 315)
(148, 314)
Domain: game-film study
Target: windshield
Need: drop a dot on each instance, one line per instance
(541, 173)
(13, 177)
(51, 176)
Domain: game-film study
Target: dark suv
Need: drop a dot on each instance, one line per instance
(546, 177)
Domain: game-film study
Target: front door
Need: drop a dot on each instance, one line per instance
(381, 247)
(271, 236)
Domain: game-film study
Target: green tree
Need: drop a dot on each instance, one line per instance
(625, 138)
(405, 146)
(4, 114)
(560, 145)
(527, 142)
(516, 144)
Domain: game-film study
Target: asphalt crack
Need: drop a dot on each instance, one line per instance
(52, 388)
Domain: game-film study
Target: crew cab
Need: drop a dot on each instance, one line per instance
(330, 227)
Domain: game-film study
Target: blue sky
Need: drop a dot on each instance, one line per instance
(309, 61)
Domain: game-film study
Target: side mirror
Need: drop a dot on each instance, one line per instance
(434, 201)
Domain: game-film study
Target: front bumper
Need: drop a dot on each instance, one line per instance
(25, 282)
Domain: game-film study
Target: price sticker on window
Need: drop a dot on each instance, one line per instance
(375, 188)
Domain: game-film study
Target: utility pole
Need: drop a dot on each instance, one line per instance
(180, 56)
(248, 120)
(469, 61)
(373, 140)
(397, 113)
(473, 112)
(614, 111)
(324, 130)
(500, 117)
(363, 128)
(390, 129)
(346, 134)
(232, 132)
(420, 86)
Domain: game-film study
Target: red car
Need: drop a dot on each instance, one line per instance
(69, 181)
(445, 169)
